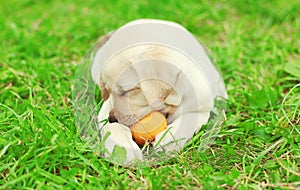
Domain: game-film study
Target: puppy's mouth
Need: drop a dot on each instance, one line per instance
(113, 119)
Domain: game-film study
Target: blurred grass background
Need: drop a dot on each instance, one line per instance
(256, 45)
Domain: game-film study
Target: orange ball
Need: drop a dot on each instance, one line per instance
(148, 127)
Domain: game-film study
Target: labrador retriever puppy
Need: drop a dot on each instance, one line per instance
(153, 77)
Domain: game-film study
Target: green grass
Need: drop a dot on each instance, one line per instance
(256, 44)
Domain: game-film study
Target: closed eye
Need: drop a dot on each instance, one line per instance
(133, 91)
(123, 93)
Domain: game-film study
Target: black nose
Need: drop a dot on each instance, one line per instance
(111, 117)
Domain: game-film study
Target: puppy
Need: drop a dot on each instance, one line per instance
(146, 78)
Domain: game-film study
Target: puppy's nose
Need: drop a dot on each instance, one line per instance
(112, 118)
(156, 105)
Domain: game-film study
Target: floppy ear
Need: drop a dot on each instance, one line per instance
(173, 98)
(104, 91)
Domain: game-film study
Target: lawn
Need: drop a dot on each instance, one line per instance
(257, 48)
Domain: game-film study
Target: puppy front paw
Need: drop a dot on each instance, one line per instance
(168, 141)
(179, 132)
(120, 148)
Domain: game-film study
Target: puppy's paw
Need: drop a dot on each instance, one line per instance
(179, 132)
(120, 148)
(169, 140)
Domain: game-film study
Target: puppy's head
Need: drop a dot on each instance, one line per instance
(138, 81)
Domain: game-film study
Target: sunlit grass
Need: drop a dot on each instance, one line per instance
(255, 44)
